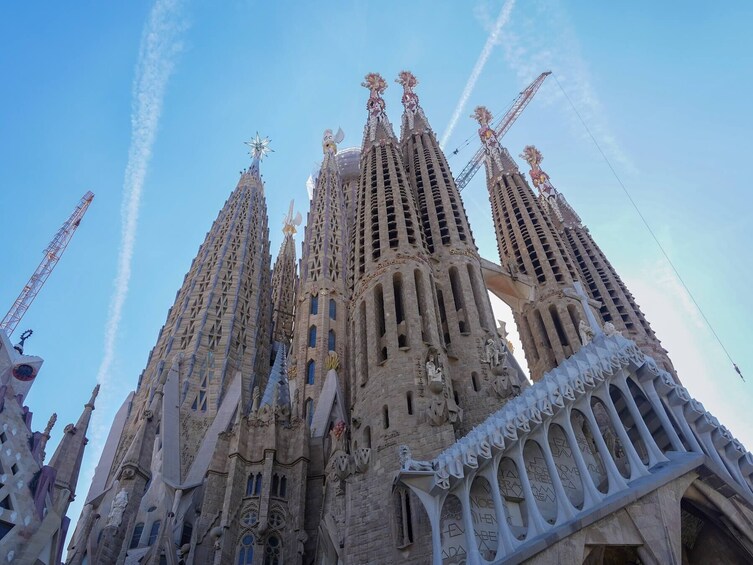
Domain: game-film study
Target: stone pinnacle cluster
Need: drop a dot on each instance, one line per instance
(362, 406)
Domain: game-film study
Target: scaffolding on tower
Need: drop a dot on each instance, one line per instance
(51, 257)
(501, 127)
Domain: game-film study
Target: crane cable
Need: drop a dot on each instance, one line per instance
(648, 227)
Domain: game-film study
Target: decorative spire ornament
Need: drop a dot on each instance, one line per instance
(488, 136)
(410, 99)
(375, 104)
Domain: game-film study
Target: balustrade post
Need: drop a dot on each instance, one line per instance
(616, 481)
(536, 523)
(464, 493)
(653, 397)
(655, 455)
(637, 468)
(506, 539)
(564, 506)
(591, 494)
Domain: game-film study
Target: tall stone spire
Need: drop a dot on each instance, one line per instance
(209, 354)
(600, 279)
(467, 321)
(529, 243)
(322, 306)
(400, 375)
(70, 452)
(285, 281)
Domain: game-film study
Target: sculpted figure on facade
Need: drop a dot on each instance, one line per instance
(610, 330)
(407, 463)
(256, 398)
(119, 503)
(586, 333)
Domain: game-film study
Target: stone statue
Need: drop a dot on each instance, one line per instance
(115, 517)
(256, 398)
(494, 352)
(435, 374)
(610, 330)
(586, 333)
(338, 437)
(407, 463)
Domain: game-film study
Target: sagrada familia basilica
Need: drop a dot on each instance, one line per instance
(361, 406)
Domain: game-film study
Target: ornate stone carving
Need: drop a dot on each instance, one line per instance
(585, 331)
(407, 463)
(115, 517)
(610, 330)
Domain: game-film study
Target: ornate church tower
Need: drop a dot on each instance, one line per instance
(322, 306)
(476, 354)
(401, 391)
(210, 353)
(602, 283)
(529, 243)
(285, 281)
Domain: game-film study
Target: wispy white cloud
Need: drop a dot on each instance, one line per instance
(160, 45)
(544, 38)
(491, 41)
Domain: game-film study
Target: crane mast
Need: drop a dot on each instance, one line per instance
(51, 257)
(504, 124)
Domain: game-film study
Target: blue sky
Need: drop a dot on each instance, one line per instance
(665, 91)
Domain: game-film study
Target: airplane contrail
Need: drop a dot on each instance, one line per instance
(491, 41)
(160, 43)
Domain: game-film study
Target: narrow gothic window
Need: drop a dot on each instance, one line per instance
(257, 485)
(283, 487)
(246, 550)
(474, 381)
(275, 485)
(314, 305)
(332, 309)
(312, 336)
(385, 417)
(331, 340)
(136, 536)
(367, 436)
(409, 400)
(153, 532)
(403, 517)
(250, 485)
(273, 551)
(310, 370)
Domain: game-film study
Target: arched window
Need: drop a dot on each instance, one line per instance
(250, 485)
(153, 532)
(257, 485)
(314, 305)
(332, 309)
(283, 487)
(246, 550)
(275, 484)
(331, 342)
(273, 551)
(136, 536)
(385, 417)
(310, 370)
(309, 410)
(409, 400)
(312, 336)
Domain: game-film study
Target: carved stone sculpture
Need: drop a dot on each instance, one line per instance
(115, 517)
(586, 333)
(407, 463)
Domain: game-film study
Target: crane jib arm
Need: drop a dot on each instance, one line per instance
(501, 128)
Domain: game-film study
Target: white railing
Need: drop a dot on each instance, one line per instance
(605, 422)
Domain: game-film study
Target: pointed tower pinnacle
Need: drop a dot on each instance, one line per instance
(70, 452)
(549, 197)
(376, 106)
(495, 154)
(258, 149)
(284, 281)
(413, 117)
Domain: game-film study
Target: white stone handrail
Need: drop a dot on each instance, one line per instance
(543, 490)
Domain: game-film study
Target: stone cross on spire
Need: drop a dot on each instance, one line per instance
(488, 136)
(410, 99)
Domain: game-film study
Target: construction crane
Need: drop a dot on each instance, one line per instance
(51, 257)
(501, 127)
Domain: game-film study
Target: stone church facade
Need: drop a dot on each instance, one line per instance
(363, 407)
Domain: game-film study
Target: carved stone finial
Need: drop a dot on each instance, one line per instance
(330, 141)
(95, 392)
(50, 424)
(410, 99)
(333, 361)
(375, 83)
(482, 115)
